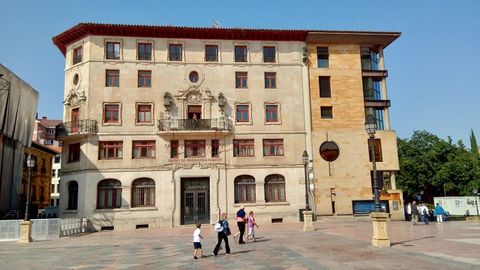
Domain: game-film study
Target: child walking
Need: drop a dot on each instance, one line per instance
(251, 226)
(197, 245)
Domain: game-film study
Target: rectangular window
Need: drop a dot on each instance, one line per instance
(270, 80)
(144, 78)
(269, 54)
(326, 112)
(113, 50)
(241, 79)
(215, 148)
(242, 113)
(324, 83)
(143, 149)
(273, 147)
(144, 114)
(57, 159)
(144, 51)
(243, 148)
(173, 149)
(74, 152)
(377, 148)
(111, 113)
(54, 172)
(271, 113)
(194, 148)
(240, 53)
(112, 78)
(211, 53)
(77, 55)
(322, 57)
(48, 141)
(175, 52)
(110, 150)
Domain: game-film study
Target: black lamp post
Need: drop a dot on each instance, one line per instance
(370, 127)
(305, 163)
(30, 165)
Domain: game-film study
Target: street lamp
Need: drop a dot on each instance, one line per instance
(370, 127)
(305, 163)
(30, 165)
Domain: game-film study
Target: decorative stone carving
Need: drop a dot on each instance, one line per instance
(74, 98)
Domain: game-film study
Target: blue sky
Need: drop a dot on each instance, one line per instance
(434, 67)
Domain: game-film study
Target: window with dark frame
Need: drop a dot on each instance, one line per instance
(326, 112)
(269, 54)
(174, 149)
(110, 150)
(241, 53)
(144, 113)
(73, 152)
(72, 195)
(270, 80)
(273, 147)
(377, 148)
(271, 113)
(143, 192)
(215, 148)
(109, 194)
(245, 189)
(211, 53)
(322, 57)
(175, 52)
(112, 78)
(243, 148)
(275, 188)
(143, 149)
(241, 80)
(325, 89)
(194, 148)
(111, 113)
(144, 51)
(112, 50)
(242, 113)
(77, 55)
(144, 78)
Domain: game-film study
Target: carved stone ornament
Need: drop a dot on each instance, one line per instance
(74, 98)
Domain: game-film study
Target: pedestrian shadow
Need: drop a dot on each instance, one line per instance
(242, 251)
(411, 240)
(260, 240)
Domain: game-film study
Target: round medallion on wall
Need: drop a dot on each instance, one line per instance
(329, 151)
(193, 76)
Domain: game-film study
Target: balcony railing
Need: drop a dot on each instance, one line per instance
(195, 124)
(76, 127)
(377, 103)
(375, 74)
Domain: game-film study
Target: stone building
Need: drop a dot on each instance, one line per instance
(165, 126)
(18, 105)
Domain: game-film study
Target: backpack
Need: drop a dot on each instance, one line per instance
(218, 227)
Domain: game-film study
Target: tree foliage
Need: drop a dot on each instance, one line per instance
(434, 166)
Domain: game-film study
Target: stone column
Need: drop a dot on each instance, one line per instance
(308, 221)
(380, 235)
(25, 231)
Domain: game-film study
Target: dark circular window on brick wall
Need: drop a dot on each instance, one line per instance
(329, 151)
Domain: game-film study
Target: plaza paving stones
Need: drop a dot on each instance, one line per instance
(337, 243)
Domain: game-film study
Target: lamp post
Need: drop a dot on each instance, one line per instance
(26, 224)
(379, 218)
(305, 163)
(370, 127)
(30, 165)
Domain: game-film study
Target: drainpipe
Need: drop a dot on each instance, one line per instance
(174, 196)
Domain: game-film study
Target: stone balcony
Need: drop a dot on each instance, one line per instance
(75, 129)
(188, 126)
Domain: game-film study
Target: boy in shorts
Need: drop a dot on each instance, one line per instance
(197, 245)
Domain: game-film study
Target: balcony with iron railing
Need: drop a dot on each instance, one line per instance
(75, 128)
(195, 125)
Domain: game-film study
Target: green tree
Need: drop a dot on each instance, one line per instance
(473, 143)
(436, 166)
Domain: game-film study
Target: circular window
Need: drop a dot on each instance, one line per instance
(193, 76)
(75, 79)
(329, 151)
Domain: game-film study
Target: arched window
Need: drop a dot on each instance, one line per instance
(109, 194)
(143, 192)
(72, 195)
(244, 189)
(275, 188)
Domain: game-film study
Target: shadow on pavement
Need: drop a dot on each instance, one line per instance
(411, 240)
